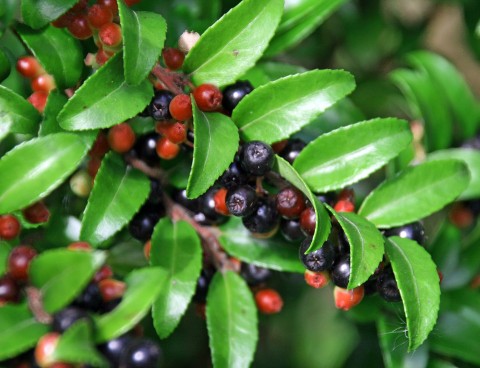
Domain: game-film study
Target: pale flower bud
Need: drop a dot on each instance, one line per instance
(187, 40)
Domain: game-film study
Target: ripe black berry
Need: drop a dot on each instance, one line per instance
(413, 231)
(180, 196)
(145, 148)
(264, 218)
(90, 298)
(67, 317)
(387, 286)
(319, 260)
(291, 230)
(234, 93)
(142, 224)
(112, 350)
(203, 283)
(159, 106)
(241, 200)
(141, 353)
(254, 275)
(156, 192)
(292, 150)
(257, 158)
(341, 272)
(234, 176)
(290, 202)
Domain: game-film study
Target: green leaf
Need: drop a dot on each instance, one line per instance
(61, 275)
(176, 249)
(276, 253)
(143, 38)
(349, 154)
(58, 52)
(231, 321)
(415, 193)
(19, 331)
(18, 112)
(55, 103)
(215, 145)
(143, 287)
(366, 246)
(9, 10)
(118, 193)
(4, 253)
(278, 109)
(37, 13)
(299, 20)
(419, 286)
(5, 66)
(37, 167)
(234, 43)
(76, 346)
(105, 99)
(126, 256)
(323, 225)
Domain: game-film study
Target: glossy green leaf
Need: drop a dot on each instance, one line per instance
(50, 160)
(143, 288)
(215, 145)
(5, 66)
(366, 246)
(61, 275)
(349, 154)
(278, 109)
(38, 13)
(415, 193)
(19, 331)
(234, 43)
(105, 99)
(419, 286)
(4, 253)
(59, 53)
(55, 102)
(126, 256)
(299, 20)
(6, 124)
(18, 112)
(176, 249)
(143, 36)
(276, 70)
(231, 321)
(118, 193)
(8, 12)
(323, 226)
(276, 253)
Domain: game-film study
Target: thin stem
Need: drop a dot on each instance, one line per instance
(34, 298)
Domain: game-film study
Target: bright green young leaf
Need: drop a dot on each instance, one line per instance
(118, 193)
(215, 145)
(278, 109)
(37, 167)
(55, 102)
(276, 70)
(231, 321)
(18, 112)
(323, 226)
(419, 286)
(143, 36)
(415, 193)
(366, 246)
(19, 330)
(176, 249)
(143, 287)
(234, 43)
(299, 20)
(59, 53)
(105, 99)
(61, 275)
(38, 13)
(276, 253)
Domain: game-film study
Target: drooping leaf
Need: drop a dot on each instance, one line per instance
(50, 160)
(55, 103)
(415, 193)
(37, 13)
(19, 330)
(118, 193)
(419, 286)
(349, 154)
(61, 275)
(215, 145)
(323, 225)
(280, 108)
(143, 287)
(105, 99)
(18, 113)
(231, 321)
(366, 246)
(275, 253)
(58, 52)
(143, 36)
(176, 249)
(234, 43)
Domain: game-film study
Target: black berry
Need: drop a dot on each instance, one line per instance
(413, 231)
(156, 192)
(387, 286)
(203, 283)
(291, 230)
(180, 196)
(234, 93)
(320, 260)
(90, 299)
(341, 272)
(234, 176)
(292, 149)
(112, 350)
(241, 200)
(159, 106)
(142, 224)
(264, 218)
(145, 148)
(9, 291)
(257, 158)
(254, 275)
(141, 353)
(67, 317)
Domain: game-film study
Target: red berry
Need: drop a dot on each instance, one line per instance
(102, 56)
(132, 2)
(29, 67)
(36, 213)
(64, 20)
(181, 107)
(100, 146)
(347, 194)
(308, 221)
(9, 291)
(38, 100)
(147, 248)
(93, 166)
(110, 34)
(290, 202)
(173, 58)
(461, 216)
(45, 349)
(166, 149)
(346, 299)
(79, 27)
(44, 82)
(105, 272)
(98, 15)
(80, 246)
(208, 97)
(9, 227)
(268, 301)
(220, 204)
(19, 261)
(344, 205)
(317, 279)
(110, 4)
(121, 138)
(111, 289)
(79, 6)
(176, 132)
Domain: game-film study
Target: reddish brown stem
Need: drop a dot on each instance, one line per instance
(174, 82)
(34, 298)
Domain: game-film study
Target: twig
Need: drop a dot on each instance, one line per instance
(34, 298)
(174, 82)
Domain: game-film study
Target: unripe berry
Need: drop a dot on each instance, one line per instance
(121, 138)
(81, 182)
(45, 349)
(208, 97)
(187, 40)
(110, 34)
(132, 2)
(105, 272)
(9, 227)
(173, 58)
(9, 290)
(167, 149)
(317, 280)
(38, 100)
(268, 301)
(29, 67)
(181, 107)
(346, 299)
(344, 206)
(100, 146)
(147, 248)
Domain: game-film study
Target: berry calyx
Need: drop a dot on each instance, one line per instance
(308, 221)
(29, 67)
(347, 299)
(220, 198)
(290, 202)
(19, 262)
(257, 158)
(241, 201)
(173, 58)
(208, 97)
(110, 34)
(166, 149)
(9, 227)
(181, 107)
(234, 93)
(317, 280)
(319, 260)
(341, 272)
(159, 108)
(268, 301)
(99, 15)
(121, 138)
(36, 213)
